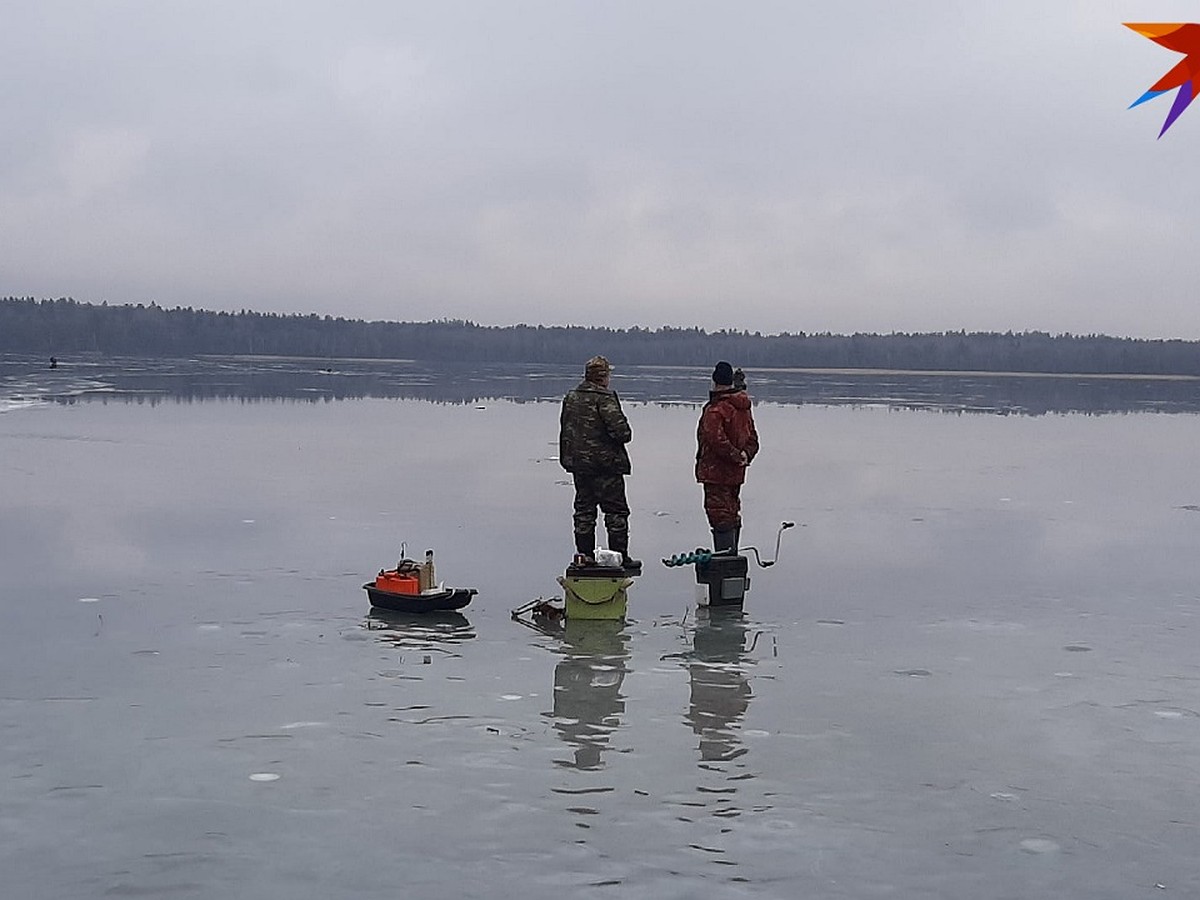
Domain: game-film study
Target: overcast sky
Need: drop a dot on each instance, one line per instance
(772, 166)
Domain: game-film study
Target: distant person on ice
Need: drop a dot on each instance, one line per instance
(593, 432)
(726, 444)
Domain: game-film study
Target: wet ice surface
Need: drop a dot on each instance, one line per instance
(972, 673)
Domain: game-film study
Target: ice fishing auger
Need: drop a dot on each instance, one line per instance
(701, 554)
(721, 578)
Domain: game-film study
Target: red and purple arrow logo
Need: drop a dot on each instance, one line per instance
(1182, 38)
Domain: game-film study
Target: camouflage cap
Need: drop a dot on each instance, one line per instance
(596, 365)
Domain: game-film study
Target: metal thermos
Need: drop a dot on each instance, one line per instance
(425, 576)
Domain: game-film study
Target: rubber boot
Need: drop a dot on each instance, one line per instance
(585, 549)
(724, 540)
(620, 543)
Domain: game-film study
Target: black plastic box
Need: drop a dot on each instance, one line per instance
(723, 580)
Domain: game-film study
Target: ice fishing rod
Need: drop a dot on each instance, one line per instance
(701, 555)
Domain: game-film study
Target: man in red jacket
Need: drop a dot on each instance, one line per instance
(727, 444)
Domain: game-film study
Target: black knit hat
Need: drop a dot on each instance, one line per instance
(723, 373)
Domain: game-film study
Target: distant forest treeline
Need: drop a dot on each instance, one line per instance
(64, 326)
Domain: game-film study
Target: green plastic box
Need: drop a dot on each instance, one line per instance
(592, 597)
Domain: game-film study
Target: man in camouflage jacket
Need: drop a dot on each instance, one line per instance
(593, 432)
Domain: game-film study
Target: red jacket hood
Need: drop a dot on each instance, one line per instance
(738, 399)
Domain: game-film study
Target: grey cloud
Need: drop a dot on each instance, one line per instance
(772, 166)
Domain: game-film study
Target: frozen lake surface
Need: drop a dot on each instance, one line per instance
(973, 672)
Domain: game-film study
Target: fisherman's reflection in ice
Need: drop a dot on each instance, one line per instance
(720, 690)
(588, 703)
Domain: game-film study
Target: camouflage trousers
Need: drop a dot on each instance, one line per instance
(723, 505)
(607, 492)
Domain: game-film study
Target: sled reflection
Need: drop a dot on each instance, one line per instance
(420, 631)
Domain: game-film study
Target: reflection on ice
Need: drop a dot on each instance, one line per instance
(8, 404)
(695, 757)
(719, 688)
(588, 703)
(435, 631)
(22, 389)
(25, 381)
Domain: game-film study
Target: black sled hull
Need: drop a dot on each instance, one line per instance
(440, 601)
